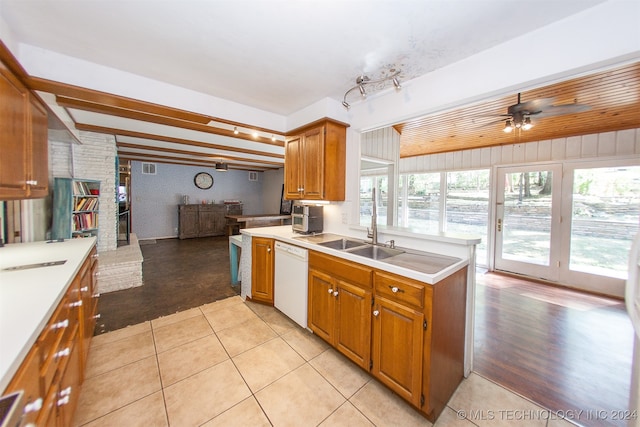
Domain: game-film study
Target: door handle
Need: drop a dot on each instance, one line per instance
(499, 224)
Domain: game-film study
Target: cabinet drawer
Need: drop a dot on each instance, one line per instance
(51, 337)
(336, 267)
(399, 289)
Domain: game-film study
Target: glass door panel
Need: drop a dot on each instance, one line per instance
(527, 220)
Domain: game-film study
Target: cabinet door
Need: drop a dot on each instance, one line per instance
(321, 306)
(27, 380)
(293, 155)
(262, 264)
(39, 167)
(13, 138)
(207, 219)
(188, 221)
(397, 348)
(313, 161)
(353, 323)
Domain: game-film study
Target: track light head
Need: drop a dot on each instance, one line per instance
(362, 81)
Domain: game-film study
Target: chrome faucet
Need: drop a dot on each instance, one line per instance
(373, 233)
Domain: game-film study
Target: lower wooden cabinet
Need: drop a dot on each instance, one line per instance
(262, 269)
(408, 334)
(340, 305)
(397, 348)
(51, 375)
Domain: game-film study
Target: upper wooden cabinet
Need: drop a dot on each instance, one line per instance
(314, 162)
(24, 172)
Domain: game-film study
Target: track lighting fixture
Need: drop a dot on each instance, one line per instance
(273, 138)
(235, 130)
(378, 84)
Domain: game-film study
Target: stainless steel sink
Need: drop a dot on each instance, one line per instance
(376, 252)
(342, 244)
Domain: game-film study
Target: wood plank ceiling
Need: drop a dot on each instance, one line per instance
(613, 95)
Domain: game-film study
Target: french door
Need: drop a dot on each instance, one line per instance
(570, 223)
(528, 212)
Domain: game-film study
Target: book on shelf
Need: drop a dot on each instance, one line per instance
(86, 204)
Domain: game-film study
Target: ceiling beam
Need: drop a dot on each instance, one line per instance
(161, 120)
(104, 98)
(181, 161)
(155, 137)
(193, 153)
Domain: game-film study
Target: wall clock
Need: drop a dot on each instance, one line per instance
(203, 180)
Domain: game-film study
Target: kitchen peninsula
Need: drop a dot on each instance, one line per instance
(402, 315)
(47, 304)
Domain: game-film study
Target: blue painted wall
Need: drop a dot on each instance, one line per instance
(155, 198)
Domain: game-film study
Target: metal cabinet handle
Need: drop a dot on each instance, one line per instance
(376, 312)
(63, 401)
(395, 289)
(32, 182)
(268, 249)
(335, 294)
(330, 291)
(62, 324)
(97, 316)
(62, 353)
(65, 392)
(75, 304)
(84, 289)
(34, 406)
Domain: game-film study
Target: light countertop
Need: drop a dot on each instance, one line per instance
(286, 234)
(28, 297)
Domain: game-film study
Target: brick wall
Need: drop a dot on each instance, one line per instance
(94, 159)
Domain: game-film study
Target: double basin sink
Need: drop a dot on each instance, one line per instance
(425, 262)
(361, 248)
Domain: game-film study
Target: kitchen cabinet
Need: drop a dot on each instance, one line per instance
(202, 220)
(24, 162)
(51, 374)
(410, 335)
(262, 269)
(339, 308)
(398, 330)
(315, 159)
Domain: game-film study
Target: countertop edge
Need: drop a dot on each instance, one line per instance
(9, 368)
(285, 234)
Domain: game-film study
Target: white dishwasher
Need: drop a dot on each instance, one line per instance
(290, 294)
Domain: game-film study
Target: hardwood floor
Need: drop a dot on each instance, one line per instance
(562, 349)
(177, 275)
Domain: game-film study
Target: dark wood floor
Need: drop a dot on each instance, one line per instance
(177, 275)
(564, 350)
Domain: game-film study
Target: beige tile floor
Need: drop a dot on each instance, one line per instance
(236, 363)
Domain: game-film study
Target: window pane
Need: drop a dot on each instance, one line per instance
(604, 220)
(366, 206)
(423, 198)
(467, 206)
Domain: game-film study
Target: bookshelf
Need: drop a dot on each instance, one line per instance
(76, 205)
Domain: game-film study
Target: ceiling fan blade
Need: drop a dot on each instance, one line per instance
(559, 110)
(531, 107)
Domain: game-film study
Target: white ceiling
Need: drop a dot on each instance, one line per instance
(277, 56)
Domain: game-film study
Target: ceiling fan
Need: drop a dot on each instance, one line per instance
(519, 115)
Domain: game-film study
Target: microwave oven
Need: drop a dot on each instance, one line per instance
(307, 219)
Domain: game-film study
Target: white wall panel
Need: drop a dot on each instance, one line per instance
(622, 144)
(626, 142)
(573, 145)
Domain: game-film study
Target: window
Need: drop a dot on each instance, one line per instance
(604, 219)
(148, 168)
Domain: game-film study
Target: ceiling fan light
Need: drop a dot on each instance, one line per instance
(527, 123)
(508, 127)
